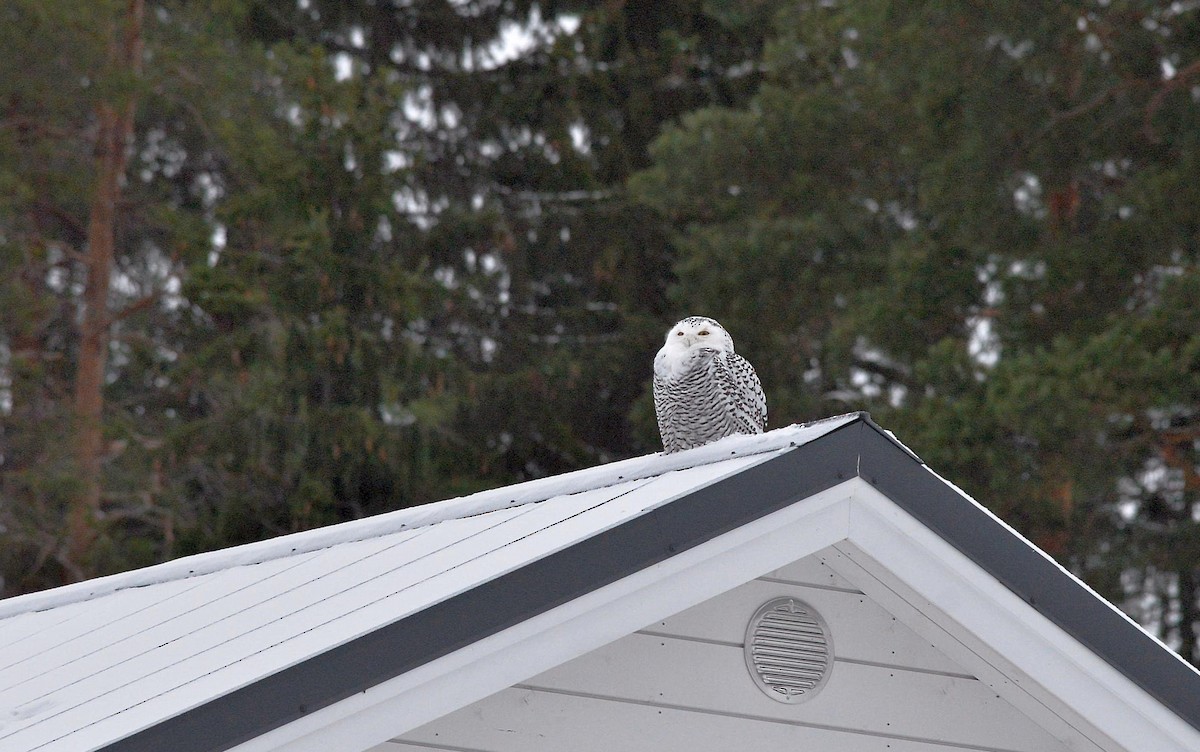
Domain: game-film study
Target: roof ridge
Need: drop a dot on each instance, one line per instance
(409, 518)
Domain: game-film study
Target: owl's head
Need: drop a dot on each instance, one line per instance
(698, 331)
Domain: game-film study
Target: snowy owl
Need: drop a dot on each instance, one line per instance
(703, 390)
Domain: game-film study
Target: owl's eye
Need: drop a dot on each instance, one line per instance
(678, 334)
(703, 332)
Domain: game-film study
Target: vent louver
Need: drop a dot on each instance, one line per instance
(788, 650)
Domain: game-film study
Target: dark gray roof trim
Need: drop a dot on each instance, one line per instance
(1030, 576)
(858, 448)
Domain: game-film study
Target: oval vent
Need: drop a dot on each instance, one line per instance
(788, 650)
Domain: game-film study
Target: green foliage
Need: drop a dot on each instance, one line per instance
(979, 223)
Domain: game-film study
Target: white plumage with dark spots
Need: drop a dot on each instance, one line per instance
(703, 390)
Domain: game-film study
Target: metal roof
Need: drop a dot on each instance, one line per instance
(205, 653)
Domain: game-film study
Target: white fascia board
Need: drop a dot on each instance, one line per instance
(1025, 657)
(568, 631)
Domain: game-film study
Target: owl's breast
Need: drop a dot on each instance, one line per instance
(673, 365)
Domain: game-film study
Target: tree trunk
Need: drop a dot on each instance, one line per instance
(1189, 614)
(114, 130)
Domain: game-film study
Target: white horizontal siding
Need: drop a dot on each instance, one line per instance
(862, 631)
(524, 720)
(812, 570)
(880, 700)
(684, 684)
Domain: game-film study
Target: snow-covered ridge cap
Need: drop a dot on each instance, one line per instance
(482, 502)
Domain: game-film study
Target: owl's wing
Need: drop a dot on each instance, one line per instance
(741, 386)
(662, 403)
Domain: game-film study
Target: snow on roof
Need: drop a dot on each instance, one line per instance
(87, 664)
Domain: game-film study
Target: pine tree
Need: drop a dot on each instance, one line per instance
(66, 132)
(516, 152)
